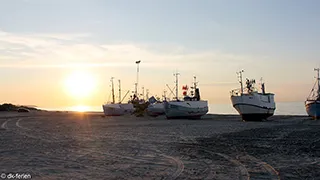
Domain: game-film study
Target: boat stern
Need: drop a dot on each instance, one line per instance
(112, 110)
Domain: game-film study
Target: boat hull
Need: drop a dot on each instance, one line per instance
(156, 109)
(313, 109)
(112, 110)
(254, 107)
(127, 107)
(185, 109)
(253, 113)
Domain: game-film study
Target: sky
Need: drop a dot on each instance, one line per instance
(44, 43)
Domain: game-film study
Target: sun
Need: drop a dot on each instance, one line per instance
(80, 84)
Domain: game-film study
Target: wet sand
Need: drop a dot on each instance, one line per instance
(51, 145)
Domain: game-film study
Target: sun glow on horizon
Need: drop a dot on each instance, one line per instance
(80, 84)
(80, 108)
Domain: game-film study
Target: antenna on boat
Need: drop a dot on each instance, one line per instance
(195, 82)
(142, 92)
(318, 78)
(112, 86)
(194, 87)
(262, 86)
(147, 94)
(119, 91)
(240, 79)
(164, 95)
(318, 71)
(177, 84)
(136, 88)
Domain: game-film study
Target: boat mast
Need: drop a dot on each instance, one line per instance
(240, 80)
(262, 86)
(177, 84)
(318, 79)
(142, 92)
(136, 88)
(164, 95)
(119, 91)
(147, 94)
(112, 86)
(195, 82)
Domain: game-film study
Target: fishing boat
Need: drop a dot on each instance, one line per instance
(112, 108)
(156, 107)
(127, 107)
(191, 107)
(312, 103)
(117, 109)
(251, 104)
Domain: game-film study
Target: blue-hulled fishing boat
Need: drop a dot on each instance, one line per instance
(313, 101)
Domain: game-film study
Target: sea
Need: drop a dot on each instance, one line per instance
(282, 108)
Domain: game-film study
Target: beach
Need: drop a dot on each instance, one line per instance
(66, 145)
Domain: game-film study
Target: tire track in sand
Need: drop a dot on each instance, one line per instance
(123, 136)
(56, 159)
(177, 162)
(244, 174)
(179, 166)
(4, 125)
(250, 164)
(259, 169)
(26, 132)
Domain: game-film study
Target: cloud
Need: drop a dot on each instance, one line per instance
(38, 40)
(76, 50)
(214, 68)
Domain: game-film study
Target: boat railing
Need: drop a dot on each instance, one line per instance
(235, 92)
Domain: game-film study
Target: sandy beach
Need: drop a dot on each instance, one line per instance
(52, 145)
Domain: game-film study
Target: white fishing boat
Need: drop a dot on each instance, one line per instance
(120, 108)
(112, 108)
(251, 104)
(117, 109)
(312, 103)
(155, 108)
(127, 107)
(191, 107)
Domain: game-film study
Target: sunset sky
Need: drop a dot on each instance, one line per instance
(46, 44)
